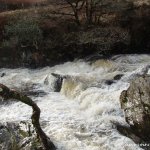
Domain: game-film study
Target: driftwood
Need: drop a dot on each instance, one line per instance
(7, 93)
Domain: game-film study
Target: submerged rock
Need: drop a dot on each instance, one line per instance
(136, 104)
(3, 74)
(127, 131)
(31, 89)
(109, 82)
(118, 76)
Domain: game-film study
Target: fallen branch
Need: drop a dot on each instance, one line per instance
(7, 93)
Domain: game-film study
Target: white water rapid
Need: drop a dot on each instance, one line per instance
(83, 115)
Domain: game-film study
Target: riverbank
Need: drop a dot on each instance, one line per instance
(121, 31)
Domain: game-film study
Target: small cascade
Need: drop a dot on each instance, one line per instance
(84, 114)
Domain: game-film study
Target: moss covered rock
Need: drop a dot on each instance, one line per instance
(16, 136)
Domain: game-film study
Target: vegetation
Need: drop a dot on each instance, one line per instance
(92, 10)
(25, 32)
(63, 30)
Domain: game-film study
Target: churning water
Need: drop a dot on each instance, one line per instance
(83, 115)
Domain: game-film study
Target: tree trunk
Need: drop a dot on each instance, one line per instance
(77, 17)
(89, 11)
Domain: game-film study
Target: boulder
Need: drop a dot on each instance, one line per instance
(18, 135)
(118, 77)
(58, 83)
(135, 101)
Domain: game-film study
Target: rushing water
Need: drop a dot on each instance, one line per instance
(83, 115)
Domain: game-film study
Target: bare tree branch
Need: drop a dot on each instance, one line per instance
(7, 93)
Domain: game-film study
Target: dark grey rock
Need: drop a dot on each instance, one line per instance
(118, 76)
(128, 131)
(3, 74)
(16, 136)
(136, 104)
(58, 82)
(109, 82)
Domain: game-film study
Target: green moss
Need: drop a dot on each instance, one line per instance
(23, 133)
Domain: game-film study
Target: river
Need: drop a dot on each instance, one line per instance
(82, 116)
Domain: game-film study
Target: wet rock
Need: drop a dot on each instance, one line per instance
(128, 131)
(15, 136)
(136, 104)
(3, 74)
(32, 90)
(118, 76)
(46, 81)
(38, 93)
(9, 102)
(145, 69)
(58, 82)
(109, 82)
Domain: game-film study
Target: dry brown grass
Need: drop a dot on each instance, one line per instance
(48, 9)
(22, 1)
(48, 16)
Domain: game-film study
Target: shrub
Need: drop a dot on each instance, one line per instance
(25, 32)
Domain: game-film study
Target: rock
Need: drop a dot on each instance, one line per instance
(109, 82)
(3, 74)
(83, 135)
(15, 135)
(58, 82)
(145, 69)
(136, 104)
(118, 76)
(31, 90)
(127, 131)
(114, 79)
(37, 93)
(46, 82)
